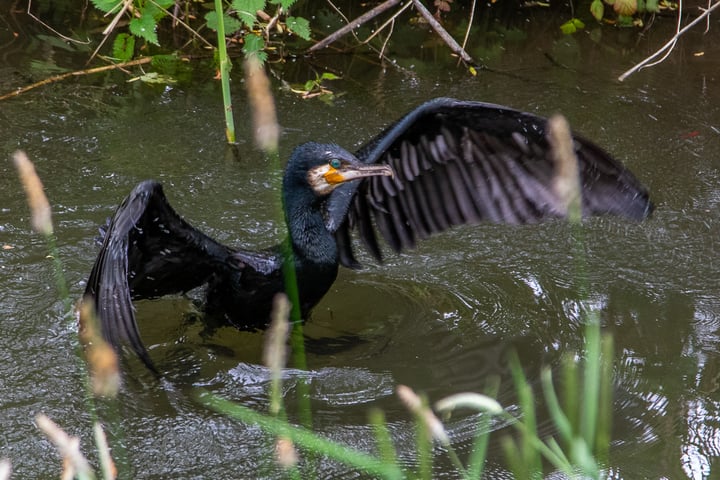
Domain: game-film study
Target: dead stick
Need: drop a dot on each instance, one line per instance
(454, 46)
(670, 43)
(76, 73)
(354, 24)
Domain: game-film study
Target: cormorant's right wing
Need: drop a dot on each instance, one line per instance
(461, 162)
(148, 251)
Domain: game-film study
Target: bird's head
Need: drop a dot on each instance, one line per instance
(324, 167)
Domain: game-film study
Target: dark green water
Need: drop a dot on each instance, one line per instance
(440, 319)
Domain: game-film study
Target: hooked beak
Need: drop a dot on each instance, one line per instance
(353, 171)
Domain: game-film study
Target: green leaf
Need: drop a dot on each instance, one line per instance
(597, 8)
(107, 5)
(232, 25)
(652, 6)
(255, 45)
(124, 47)
(625, 8)
(285, 4)
(144, 27)
(329, 76)
(247, 10)
(299, 26)
(568, 28)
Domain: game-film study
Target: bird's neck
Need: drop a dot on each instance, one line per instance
(310, 239)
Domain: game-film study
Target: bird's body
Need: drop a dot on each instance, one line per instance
(446, 163)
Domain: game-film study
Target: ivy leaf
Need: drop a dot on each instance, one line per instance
(299, 26)
(625, 8)
(124, 47)
(106, 5)
(597, 8)
(144, 27)
(231, 24)
(247, 10)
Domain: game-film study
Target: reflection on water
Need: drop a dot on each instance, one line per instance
(441, 319)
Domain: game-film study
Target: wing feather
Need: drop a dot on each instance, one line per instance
(459, 162)
(148, 250)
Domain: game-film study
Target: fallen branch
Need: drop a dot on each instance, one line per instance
(446, 37)
(76, 73)
(670, 43)
(367, 16)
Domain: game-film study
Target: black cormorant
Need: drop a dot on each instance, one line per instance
(446, 163)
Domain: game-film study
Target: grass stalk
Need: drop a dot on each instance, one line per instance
(225, 67)
(385, 447)
(303, 438)
(267, 133)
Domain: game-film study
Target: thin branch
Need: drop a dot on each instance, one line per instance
(64, 37)
(446, 37)
(369, 15)
(77, 73)
(669, 44)
(390, 21)
(110, 28)
(470, 21)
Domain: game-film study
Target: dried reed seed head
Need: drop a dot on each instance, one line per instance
(416, 405)
(39, 206)
(285, 452)
(275, 351)
(101, 358)
(567, 177)
(267, 130)
(474, 401)
(5, 469)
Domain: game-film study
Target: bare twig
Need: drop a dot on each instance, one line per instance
(446, 37)
(470, 21)
(670, 43)
(64, 37)
(76, 73)
(391, 22)
(354, 24)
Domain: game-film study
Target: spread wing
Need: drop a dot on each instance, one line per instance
(459, 162)
(148, 251)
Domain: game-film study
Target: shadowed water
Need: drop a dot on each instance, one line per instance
(441, 319)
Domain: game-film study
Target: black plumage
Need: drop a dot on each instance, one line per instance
(446, 163)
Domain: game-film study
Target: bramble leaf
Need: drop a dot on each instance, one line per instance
(299, 26)
(124, 47)
(231, 24)
(144, 27)
(247, 10)
(106, 5)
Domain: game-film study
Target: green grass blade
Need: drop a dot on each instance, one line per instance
(303, 438)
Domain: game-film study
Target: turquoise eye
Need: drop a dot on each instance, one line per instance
(335, 163)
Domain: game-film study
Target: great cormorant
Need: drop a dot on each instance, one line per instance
(446, 163)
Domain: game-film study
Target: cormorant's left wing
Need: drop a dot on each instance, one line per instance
(148, 251)
(459, 162)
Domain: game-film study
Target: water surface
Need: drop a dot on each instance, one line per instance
(440, 319)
